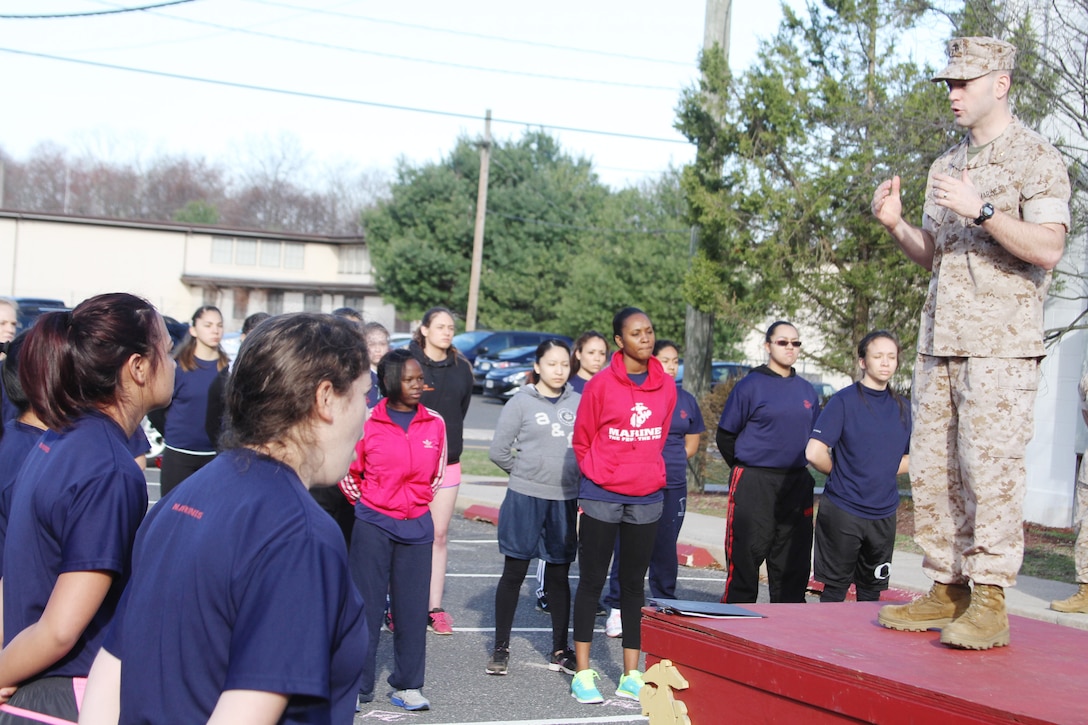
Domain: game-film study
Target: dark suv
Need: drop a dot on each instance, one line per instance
(28, 309)
(491, 342)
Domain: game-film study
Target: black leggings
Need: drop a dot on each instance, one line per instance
(595, 542)
(557, 580)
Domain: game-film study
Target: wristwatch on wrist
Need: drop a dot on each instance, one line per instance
(985, 213)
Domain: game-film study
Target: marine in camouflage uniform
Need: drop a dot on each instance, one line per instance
(1079, 601)
(995, 217)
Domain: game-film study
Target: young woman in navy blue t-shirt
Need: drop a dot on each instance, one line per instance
(90, 375)
(762, 435)
(240, 607)
(862, 441)
(200, 358)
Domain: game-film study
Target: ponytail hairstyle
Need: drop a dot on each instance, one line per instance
(575, 363)
(621, 317)
(71, 362)
(278, 369)
(541, 349)
(426, 320)
(186, 354)
(863, 350)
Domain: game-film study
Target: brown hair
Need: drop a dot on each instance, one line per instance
(71, 361)
(186, 354)
(428, 318)
(575, 363)
(280, 365)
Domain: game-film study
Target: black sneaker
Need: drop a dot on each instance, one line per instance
(542, 604)
(563, 661)
(602, 610)
(500, 658)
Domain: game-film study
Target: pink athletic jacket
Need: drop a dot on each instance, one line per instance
(620, 430)
(393, 471)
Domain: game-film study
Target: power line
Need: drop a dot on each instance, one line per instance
(481, 36)
(410, 59)
(116, 11)
(340, 99)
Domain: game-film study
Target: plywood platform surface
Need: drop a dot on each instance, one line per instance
(837, 660)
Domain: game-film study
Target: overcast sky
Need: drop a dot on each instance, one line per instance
(602, 65)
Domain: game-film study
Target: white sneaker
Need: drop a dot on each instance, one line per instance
(613, 626)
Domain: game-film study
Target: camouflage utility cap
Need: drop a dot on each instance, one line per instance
(975, 57)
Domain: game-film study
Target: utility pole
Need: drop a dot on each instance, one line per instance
(478, 234)
(699, 325)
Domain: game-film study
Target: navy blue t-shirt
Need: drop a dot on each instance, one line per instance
(240, 582)
(375, 393)
(772, 417)
(869, 433)
(186, 419)
(18, 439)
(687, 420)
(78, 501)
(578, 383)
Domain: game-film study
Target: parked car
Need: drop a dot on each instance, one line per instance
(29, 309)
(515, 357)
(503, 383)
(483, 342)
(720, 371)
(824, 391)
(399, 339)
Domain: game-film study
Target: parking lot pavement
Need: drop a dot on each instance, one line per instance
(531, 694)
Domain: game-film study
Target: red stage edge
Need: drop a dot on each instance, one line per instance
(824, 663)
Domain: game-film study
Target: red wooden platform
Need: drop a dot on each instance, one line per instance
(816, 663)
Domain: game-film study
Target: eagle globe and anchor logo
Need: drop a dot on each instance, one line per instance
(639, 415)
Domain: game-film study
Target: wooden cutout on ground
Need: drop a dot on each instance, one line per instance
(657, 700)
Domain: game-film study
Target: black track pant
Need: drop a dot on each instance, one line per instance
(769, 519)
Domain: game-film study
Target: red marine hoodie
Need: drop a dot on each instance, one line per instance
(621, 427)
(393, 471)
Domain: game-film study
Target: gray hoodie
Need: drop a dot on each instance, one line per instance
(532, 444)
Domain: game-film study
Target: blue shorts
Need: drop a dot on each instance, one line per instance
(531, 527)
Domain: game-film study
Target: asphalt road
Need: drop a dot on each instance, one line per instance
(457, 686)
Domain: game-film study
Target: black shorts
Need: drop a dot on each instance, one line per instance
(531, 527)
(851, 549)
(51, 697)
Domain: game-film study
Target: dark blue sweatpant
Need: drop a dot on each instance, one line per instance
(380, 565)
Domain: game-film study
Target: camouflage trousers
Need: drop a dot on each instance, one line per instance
(973, 418)
(1080, 525)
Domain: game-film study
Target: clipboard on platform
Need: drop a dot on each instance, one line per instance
(712, 610)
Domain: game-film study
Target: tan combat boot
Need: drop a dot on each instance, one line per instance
(1076, 603)
(985, 624)
(944, 603)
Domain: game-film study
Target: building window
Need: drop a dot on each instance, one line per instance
(211, 297)
(353, 259)
(270, 254)
(222, 250)
(311, 302)
(294, 255)
(275, 302)
(355, 303)
(241, 303)
(245, 252)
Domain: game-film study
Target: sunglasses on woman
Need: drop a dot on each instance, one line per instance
(787, 343)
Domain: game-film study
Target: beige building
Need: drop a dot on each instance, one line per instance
(179, 267)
